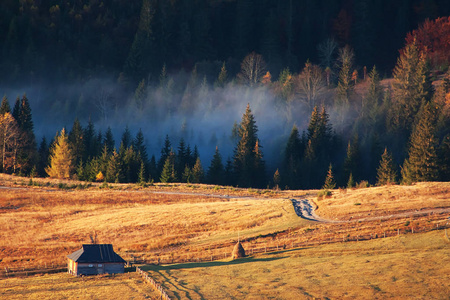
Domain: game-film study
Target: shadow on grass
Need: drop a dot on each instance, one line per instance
(207, 264)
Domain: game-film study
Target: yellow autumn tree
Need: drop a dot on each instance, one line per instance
(61, 159)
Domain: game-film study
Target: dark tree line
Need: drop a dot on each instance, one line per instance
(77, 39)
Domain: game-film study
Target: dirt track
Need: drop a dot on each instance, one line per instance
(305, 209)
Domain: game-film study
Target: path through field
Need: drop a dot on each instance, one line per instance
(305, 209)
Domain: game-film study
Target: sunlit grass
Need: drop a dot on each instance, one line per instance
(65, 286)
(405, 267)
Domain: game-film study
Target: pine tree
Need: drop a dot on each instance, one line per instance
(139, 146)
(422, 161)
(61, 158)
(114, 168)
(4, 106)
(293, 154)
(165, 152)
(126, 138)
(350, 182)
(244, 155)
(329, 180)
(108, 141)
(386, 172)
(76, 141)
(276, 180)
(345, 85)
(216, 171)
(43, 157)
(353, 161)
(222, 78)
(410, 87)
(168, 172)
(197, 172)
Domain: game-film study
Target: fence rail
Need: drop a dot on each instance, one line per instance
(13, 272)
(285, 244)
(153, 283)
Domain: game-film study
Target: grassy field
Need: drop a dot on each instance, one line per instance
(405, 267)
(65, 286)
(44, 220)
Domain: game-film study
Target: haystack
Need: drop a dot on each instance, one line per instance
(238, 251)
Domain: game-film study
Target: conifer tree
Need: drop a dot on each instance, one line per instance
(197, 172)
(165, 152)
(61, 158)
(350, 182)
(245, 154)
(108, 140)
(345, 85)
(90, 142)
(168, 172)
(43, 157)
(139, 146)
(422, 161)
(329, 180)
(126, 138)
(215, 172)
(222, 78)
(276, 180)
(4, 106)
(352, 163)
(292, 160)
(76, 141)
(410, 87)
(386, 172)
(114, 168)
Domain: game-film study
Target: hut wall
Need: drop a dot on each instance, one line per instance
(87, 269)
(113, 268)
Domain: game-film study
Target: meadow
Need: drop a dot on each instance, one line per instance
(167, 227)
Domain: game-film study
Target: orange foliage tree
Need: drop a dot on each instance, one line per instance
(433, 37)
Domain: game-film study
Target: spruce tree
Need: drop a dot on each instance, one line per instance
(411, 85)
(422, 161)
(222, 78)
(386, 172)
(329, 180)
(61, 159)
(4, 106)
(215, 172)
(108, 140)
(114, 168)
(245, 155)
(168, 172)
(197, 172)
(139, 146)
(293, 154)
(165, 152)
(76, 141)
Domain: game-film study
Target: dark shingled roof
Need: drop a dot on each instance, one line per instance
(96, 253)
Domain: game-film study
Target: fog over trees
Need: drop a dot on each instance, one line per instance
(241, 92)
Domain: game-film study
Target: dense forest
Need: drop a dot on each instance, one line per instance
(287, 94)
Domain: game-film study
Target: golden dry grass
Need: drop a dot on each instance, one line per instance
(405, 267)
(43, 225)
(384, 200)
(65, 286)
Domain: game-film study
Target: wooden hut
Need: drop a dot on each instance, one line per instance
(93, 259)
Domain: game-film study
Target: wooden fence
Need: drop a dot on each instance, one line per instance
(285, 243)
(46, 269)
(153, 283)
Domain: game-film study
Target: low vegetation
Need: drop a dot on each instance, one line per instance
(398, 267)
(65, 286)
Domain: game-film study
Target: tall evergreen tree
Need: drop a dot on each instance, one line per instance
(108, 140)
(386, 172)
(61, 158)
(168, 172)
(244, 155)
(215, 173)
(139, 146)
(4, 106)
(197, 172)
(422, 161)
(76, 141)
(293, 154)
(410, 87)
